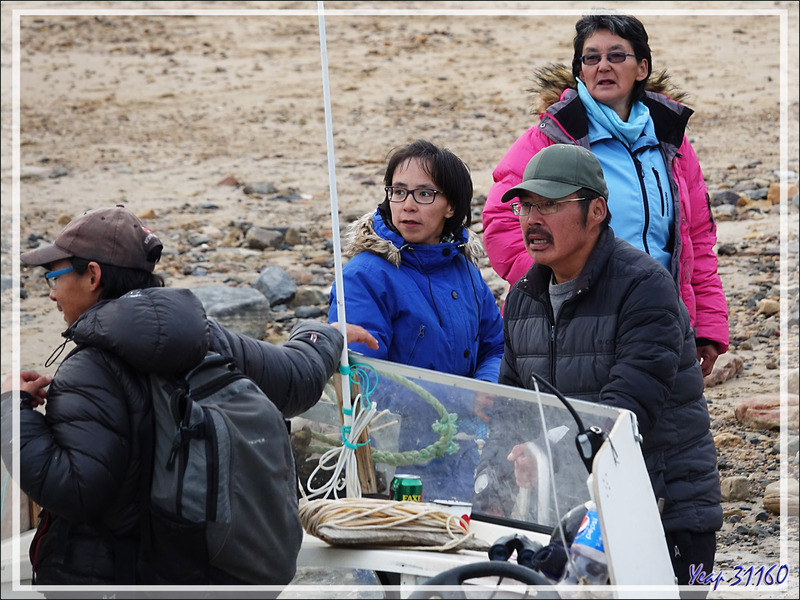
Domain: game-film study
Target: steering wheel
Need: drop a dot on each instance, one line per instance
(492, 568)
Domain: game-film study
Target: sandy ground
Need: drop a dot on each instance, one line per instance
(155, 110)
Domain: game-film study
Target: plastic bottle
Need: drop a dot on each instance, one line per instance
(588, 560)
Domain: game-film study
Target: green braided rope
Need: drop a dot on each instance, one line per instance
(326, 438)
(446, 427)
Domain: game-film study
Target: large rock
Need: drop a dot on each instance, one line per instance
(242, 310)
(772, 497)
(276, 285)
(727, 367)
(735, 488)
(768, 306)
(727, 440)
(764, 412)
(309, 296)
(774, 194)
(261, 238)
(723, 197)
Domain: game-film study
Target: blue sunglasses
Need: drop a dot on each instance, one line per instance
(50, 276)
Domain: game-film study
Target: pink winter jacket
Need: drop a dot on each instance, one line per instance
(694, 263)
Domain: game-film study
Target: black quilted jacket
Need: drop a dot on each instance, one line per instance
(81, 460)
(623, 339)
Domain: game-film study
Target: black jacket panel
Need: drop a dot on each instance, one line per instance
(624, 339)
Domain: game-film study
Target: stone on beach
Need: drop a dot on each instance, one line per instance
(764, 412)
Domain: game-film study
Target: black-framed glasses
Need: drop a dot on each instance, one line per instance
(547, 207)
(50, 276)
(420, 195)
(613, 57)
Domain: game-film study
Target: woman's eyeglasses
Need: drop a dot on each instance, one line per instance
(613, 57)
(420, 196)
(50, 276)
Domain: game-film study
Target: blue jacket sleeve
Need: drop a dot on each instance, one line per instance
(490, 349)
(369, 304)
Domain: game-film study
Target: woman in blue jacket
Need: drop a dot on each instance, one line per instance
(412, 281)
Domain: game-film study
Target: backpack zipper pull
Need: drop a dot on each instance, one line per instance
(177, 442)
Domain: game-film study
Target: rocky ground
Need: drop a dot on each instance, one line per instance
(749, 452)
(213, 130)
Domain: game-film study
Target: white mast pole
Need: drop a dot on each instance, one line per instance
(347, 406)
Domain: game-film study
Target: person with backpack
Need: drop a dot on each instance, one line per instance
(84, 457)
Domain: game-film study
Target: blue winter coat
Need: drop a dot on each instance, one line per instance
(427, 305)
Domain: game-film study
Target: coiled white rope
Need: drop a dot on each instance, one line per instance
(343, 458)
(373, 522)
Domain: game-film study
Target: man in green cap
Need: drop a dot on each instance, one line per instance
(602, 321)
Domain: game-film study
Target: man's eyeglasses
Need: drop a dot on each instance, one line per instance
(548, 207)
(50, 276)
(613, 57)
(421, 195)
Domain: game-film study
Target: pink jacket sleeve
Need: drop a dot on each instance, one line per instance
(700, 281)
(502, 235)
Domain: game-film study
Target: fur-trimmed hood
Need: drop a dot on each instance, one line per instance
(361, 236)
(550, 81)
(427, 304)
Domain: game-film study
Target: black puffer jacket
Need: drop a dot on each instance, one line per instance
(624, 339)
(81, 460)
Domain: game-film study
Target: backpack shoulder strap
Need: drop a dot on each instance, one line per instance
(129, 551)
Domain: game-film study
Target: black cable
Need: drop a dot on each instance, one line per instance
(587, 442)
(564, 401)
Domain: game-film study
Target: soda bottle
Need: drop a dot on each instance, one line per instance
(588, 560)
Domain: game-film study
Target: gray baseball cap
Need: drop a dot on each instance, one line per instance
(560, 170)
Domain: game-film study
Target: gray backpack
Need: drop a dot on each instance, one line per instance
(222, 501)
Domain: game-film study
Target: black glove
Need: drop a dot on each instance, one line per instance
(550, 561)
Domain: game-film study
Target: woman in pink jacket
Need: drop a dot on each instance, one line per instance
(658, 198)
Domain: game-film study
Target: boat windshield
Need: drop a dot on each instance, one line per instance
(510, 453)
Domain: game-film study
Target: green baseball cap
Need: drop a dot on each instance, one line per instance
(560, 170)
